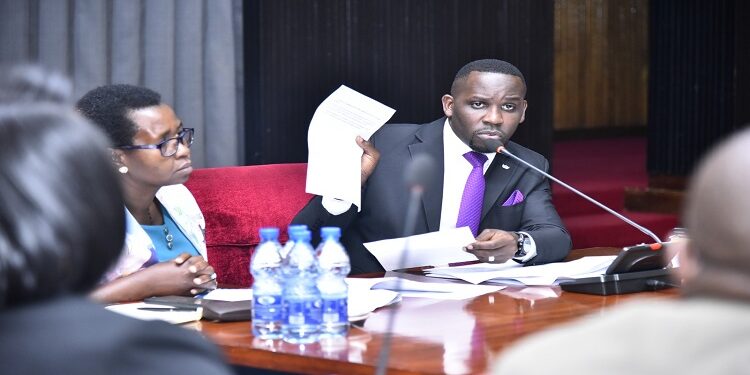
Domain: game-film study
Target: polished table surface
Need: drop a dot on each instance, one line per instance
(429, 336)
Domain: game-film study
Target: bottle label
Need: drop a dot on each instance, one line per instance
(335, 310)
(303, 312)
(267, 307)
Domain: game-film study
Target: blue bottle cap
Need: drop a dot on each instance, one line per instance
(269, 234)
(326, 232)
(292, 227)
(303, 235)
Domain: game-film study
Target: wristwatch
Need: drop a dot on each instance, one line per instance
(523, 241)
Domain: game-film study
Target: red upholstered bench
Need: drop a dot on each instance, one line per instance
(236, 202)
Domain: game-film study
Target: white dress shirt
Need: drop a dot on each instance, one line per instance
(456, 170)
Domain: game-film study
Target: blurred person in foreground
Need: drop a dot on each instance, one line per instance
(706, 330)
(28, 83)
(61, 228)
(165, 248)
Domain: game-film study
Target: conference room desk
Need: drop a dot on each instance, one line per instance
(429, 336)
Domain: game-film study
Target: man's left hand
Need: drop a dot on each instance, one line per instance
(494, 246)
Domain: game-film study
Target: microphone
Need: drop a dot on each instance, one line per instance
(645, 260)
(416, 175)
(502, 150)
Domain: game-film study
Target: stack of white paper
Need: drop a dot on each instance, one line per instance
(413, 288)
(511, 272)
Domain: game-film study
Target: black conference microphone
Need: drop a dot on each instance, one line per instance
(635, 269)
(416, 175)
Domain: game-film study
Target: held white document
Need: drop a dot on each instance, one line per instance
(334, 160)
(429, 249)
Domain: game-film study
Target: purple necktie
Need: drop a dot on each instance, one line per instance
(471, 202)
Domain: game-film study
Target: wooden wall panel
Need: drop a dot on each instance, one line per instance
(403, 53)
(601, 63)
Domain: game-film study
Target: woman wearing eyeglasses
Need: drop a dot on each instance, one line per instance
(165, 248)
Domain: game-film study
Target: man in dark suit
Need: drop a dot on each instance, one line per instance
(517, 219)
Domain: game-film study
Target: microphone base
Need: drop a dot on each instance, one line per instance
(621, 283)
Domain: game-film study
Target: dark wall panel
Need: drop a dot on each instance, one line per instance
(402, 53)
(694, 84)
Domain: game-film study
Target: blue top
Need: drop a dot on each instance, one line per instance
(169, 234)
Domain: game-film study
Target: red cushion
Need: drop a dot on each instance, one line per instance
(236, 202)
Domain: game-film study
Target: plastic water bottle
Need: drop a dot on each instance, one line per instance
(334, 266)
(290, 243)
(301, 296)
(265, 266)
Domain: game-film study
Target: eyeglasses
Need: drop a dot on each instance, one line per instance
(168, 147)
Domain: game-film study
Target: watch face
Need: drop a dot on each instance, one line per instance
(523, 240)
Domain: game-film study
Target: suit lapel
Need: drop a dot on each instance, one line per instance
(429, 141)
(498, 181)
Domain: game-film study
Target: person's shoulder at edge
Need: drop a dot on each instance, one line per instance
(122, 344)
(659, 327)
(522, 357)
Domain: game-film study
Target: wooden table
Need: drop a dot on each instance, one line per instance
(430, 336)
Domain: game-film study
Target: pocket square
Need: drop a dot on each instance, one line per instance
(515, 198)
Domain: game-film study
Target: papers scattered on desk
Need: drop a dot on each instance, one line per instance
(412, 288)
(512, 273)
(334, 159)
(156, 312)
(429, 249)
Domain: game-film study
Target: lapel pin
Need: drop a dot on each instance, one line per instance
(505, 166)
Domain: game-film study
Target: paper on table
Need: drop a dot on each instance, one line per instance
(429, 249)
(363, 300)
(175, 317)
(412, 288)
(546, 274)
(227, 294)
(334, 158)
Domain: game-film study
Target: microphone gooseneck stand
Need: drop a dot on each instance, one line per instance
(636, 269)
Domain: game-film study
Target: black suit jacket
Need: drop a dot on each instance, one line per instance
(385, 198)
(74, 336)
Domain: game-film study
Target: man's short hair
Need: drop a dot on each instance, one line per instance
(488, 66)
(109, 106)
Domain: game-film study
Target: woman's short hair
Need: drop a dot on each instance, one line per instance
(109, 107)
(61, 211)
